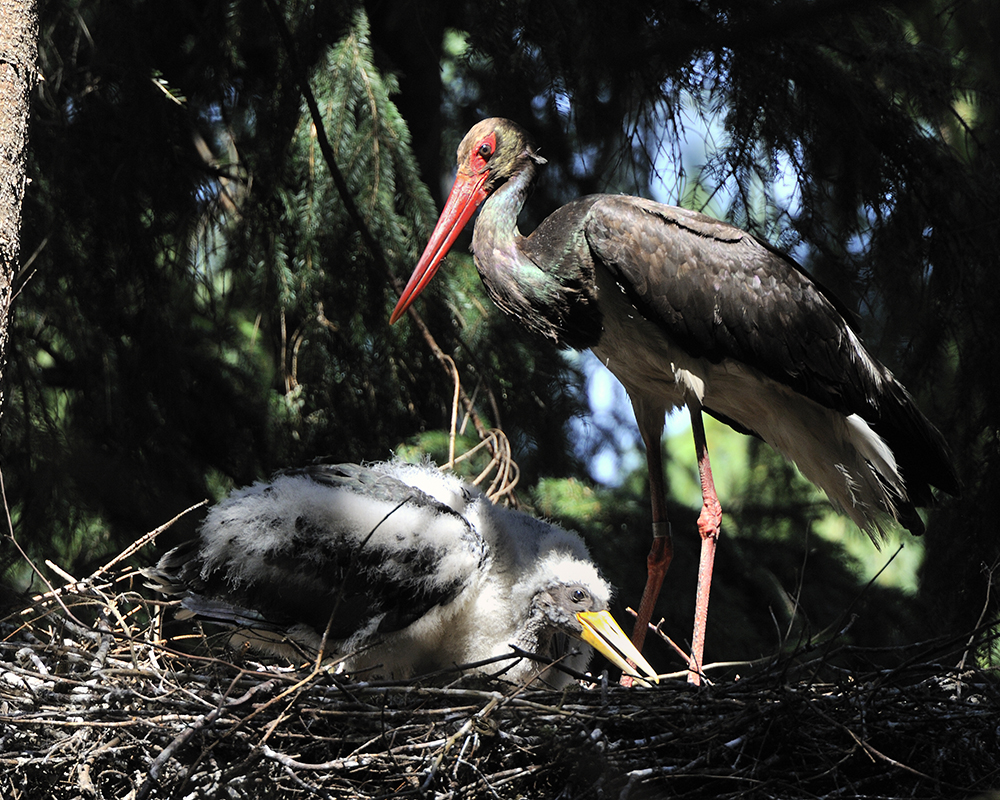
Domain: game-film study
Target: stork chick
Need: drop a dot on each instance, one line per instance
(401, 569)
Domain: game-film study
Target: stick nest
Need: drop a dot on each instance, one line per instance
(95, 703)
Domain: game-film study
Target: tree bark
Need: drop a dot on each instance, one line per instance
(18, 57)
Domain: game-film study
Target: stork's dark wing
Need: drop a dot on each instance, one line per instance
(722, 294)
(339, 544)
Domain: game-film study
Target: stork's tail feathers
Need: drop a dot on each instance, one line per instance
(869, 478)
(176, 574)
(890, 478)
(176, 571)
(921, 451)
(921, 458)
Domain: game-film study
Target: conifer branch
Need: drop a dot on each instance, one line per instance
(359, 221)
(299, 74)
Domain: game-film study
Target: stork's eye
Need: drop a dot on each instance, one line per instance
(485, 151)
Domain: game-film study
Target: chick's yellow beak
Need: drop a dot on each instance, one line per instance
(602, 633)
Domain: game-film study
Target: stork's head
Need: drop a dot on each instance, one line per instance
(491, 153)
(578, 610)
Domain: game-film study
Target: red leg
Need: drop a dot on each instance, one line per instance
(662, 550)
(657, 562)
(709, 526)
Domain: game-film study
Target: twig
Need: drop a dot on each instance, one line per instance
(204, 721)
(142, 541)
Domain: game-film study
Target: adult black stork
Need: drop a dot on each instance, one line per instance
(399, 570)
(687, 310)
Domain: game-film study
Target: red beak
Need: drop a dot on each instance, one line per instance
(466, 196)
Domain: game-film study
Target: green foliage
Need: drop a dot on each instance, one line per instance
(198, 307)
(202, 309)
(320, 294)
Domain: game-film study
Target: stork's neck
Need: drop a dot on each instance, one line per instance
(544, 281)
(495, 236)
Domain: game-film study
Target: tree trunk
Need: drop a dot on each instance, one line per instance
(18, 54)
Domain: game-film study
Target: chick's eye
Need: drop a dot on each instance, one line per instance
(579, 596)
(485, 151)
